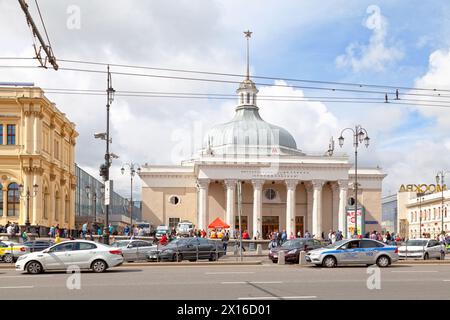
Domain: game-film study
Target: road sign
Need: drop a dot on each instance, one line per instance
(108, 191)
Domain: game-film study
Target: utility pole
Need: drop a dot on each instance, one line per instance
(107, 165)
(34, 30)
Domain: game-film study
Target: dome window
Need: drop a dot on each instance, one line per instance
(248, 97)
(270, 194)
(174, 200)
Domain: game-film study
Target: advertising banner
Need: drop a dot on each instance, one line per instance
(351, 222)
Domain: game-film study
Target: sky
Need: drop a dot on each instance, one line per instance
(395, 43)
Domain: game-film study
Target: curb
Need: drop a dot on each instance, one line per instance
(165, 264)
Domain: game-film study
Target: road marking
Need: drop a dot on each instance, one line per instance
(427, 271)
(19, 287)
(276, 298)
(229, 272)
(25, 277)
(253, 282)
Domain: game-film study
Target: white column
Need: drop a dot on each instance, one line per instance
(317, 209)
(291, 185)
(202, 186)
(335, 206)
(309, 202)
(343, 186)
(231, 187)
(28, 132)
(257, 207)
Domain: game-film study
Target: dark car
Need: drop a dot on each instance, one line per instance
(292, 249)
(190, 249)
(38, 245)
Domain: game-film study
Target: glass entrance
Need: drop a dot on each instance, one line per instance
(270, 224)
(299, 226)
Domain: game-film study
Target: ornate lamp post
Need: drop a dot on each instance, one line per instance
(94, 197)
(360, 135)
(27, 195)
(133, 168)
(440, 180)
(419, 196)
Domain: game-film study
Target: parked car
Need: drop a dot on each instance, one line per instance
(191, 249)
(185, 228)
(81, 253)
(38, 245)
(160, 230)
(354, 251)
(292, 249)
(422, 248)
(11, 251)
(134, 250)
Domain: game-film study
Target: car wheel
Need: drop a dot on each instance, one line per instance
(426, 256)
(274, 261)
(383, 261)
(99, 266)
(8, 258)
(34, 267)
(329, 262)
(180, 257)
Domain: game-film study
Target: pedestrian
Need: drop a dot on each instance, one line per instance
(111, 229)
(307, 235)
(284, 236)
(225, 239)
(163, 240)
(299, 234)
(292, 236)
(333, 237)
(57, 238)
(24, 236)
(273, 244)
(84, 230)
(37, 230)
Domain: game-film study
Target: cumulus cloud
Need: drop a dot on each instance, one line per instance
(375, 55)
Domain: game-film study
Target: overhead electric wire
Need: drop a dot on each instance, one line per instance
(253, 76)
(360, 85)
(42, 21)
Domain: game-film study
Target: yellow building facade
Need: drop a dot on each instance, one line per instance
(37, 147)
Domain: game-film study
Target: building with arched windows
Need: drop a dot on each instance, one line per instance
(37, 148)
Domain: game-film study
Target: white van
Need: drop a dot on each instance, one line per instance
(184, 228)
(162, 229)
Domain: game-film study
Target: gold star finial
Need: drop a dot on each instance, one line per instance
(248, 34)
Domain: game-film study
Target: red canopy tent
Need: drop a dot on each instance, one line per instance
(218, 223)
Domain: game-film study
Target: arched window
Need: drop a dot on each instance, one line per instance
(67, 209)
(1, 200)
(46, 202)
(434, 213)
(254, 99)
(242, 98)
(57, 208)
(248, 97)
(445, 212)
(13, 199)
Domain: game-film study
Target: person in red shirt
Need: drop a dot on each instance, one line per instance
(163, 240)
(245, 235)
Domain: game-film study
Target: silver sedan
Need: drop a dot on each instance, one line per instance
(354, 251)
(134, 250)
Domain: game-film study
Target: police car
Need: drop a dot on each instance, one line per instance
(10, 251)
(354, 251)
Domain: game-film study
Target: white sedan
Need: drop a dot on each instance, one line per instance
(80, 253)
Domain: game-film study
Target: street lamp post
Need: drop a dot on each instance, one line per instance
(360, 135)
(440, 180)
(27, 195)
(419, 198)
(133, 168)
(95, 196)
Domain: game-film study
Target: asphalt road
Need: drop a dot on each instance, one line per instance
(265, 281)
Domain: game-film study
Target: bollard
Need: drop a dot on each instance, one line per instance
(281, 257)
(259, 249)
(301, 258)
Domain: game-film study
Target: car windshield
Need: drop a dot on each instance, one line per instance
(336, 244)
(177, 242)
(120, 244)
(419, 243)
(291, 244)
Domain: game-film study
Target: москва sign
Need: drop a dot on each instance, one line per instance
(422, 188)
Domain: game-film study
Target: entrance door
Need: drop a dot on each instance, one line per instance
(244, 223)
(270, 224)
(299, 226)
